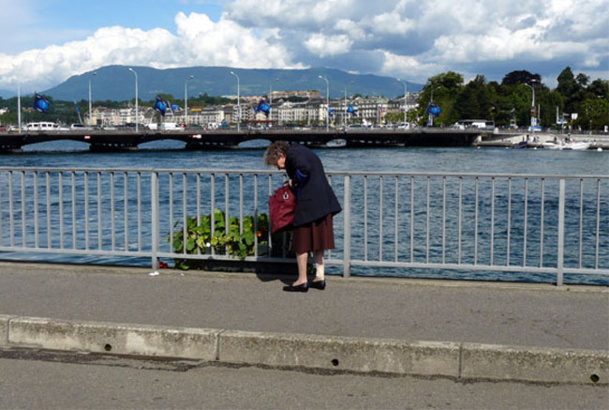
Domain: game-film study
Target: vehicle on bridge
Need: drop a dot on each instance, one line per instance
(166, 126)
(42, 126)
(78, 127)
(480, 124)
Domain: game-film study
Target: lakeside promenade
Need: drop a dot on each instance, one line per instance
(499, 331)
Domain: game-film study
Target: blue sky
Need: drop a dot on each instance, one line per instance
(41, 23)
(45, 41)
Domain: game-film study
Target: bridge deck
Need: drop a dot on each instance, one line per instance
(221, 139)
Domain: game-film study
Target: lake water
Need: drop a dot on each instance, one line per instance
(168, 155)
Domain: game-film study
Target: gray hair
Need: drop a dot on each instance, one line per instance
(275, 151)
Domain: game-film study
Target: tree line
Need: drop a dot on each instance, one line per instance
(584, 104)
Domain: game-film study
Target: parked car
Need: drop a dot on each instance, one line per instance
(171, 126)
(75, 127)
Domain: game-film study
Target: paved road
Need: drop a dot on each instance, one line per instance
(508, 314)
(70, 381)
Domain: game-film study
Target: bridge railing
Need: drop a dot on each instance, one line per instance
(471, 226)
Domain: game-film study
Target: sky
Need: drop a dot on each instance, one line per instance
(44, 42)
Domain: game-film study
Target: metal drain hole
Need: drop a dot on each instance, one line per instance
(595, 378)
(108, 347)
(334, 362)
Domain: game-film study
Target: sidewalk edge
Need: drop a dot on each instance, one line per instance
(467, 361)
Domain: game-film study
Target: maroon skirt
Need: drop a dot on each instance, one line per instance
(315, 236)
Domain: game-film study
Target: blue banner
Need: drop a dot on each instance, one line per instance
(263, 107)
(41, 104)
(434, 110)
(160, 106)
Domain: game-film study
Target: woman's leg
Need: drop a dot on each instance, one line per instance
(319, 265)
(301, 259)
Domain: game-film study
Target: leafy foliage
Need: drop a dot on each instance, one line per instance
(234, 240)
(510, 102)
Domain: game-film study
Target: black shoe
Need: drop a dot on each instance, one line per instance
(320, 284)
(298, 288)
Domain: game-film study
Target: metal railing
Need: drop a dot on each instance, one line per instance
(520, 227)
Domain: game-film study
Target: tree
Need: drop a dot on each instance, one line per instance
(582, 80)
(520, 77)
(568, 88)
(475, 100)
(445, 88)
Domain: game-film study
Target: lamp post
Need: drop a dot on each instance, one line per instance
(19, 108)
(327, 102)
(271, 99)
(271, 102)
(405, 101)
(137, 128)
(238, 103)
(532, 107)
(90, 106)
(345, 110)
(186, 100)
(430, 117)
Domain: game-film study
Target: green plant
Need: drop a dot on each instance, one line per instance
(230, 241)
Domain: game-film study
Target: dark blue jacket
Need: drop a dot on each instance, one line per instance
(315, 197)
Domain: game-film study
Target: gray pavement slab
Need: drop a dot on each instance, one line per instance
(575, 317)
(30, 380)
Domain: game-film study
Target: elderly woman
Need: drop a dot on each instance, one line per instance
(316, 204)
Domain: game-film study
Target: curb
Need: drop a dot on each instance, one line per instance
(464, 361)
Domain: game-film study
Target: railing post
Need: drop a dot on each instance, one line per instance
(154, 218)
(561, 234)
(347, 228)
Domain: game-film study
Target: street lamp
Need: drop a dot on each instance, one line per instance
(19, 108)
(238, 102)
(271, 99)
(327, 102)
(405, 101)
(136, 102)
(532, 107)
(186, 100)
(90, 107)
(430, 115)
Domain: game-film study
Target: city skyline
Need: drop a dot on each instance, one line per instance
(50, 42)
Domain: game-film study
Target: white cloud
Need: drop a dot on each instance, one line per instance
(408, 68)
(328, 45)
(411, 39)
(199, 42)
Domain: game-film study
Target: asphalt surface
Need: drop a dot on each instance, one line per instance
(411, 310)
(37, 380)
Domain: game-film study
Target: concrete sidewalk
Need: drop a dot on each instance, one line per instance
(447, 328)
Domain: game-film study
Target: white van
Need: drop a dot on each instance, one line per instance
(171, 126)
(42, 126)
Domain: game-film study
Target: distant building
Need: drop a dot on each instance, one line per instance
(313, 111)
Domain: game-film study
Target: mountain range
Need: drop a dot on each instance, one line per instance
(117, 83)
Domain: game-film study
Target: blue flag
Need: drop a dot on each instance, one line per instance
(263, 107)
(160, 106)
(434, 110)
(351, 110)
(41, 104)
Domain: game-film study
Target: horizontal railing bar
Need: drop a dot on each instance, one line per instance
(270, 172)
(67, 251)
(492, 268)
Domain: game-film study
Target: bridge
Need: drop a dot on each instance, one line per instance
(129, 140)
